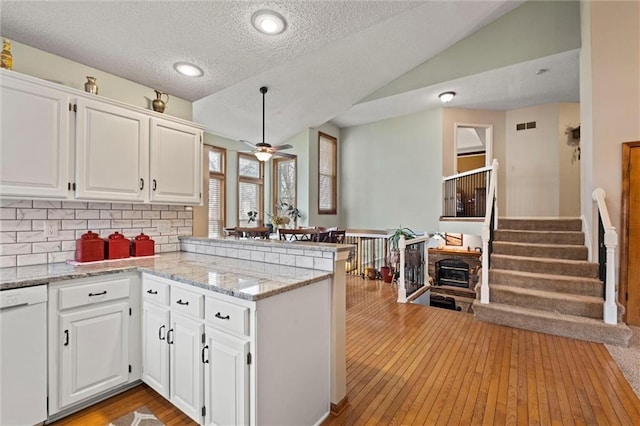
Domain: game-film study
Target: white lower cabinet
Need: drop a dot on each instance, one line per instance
(95, 351)
(155, 350)
(226, 381)
(172, 341)
(185, 367)
(89, 338)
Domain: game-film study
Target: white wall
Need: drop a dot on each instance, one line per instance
(38, 63)
(569, 191)
(610, 66)
(532, 172)
(391, 173)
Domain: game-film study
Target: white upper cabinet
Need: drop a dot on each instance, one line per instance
(61, 143)
(111, 147)
(34, 137)
(175, 166)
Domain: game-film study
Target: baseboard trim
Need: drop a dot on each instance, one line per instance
(337, 409)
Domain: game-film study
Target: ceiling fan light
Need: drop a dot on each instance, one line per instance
(188, 69)
(268, 22)
(447, 97)
(263, 155)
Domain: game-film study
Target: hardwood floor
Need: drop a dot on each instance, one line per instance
(104, 412)
(410, 364)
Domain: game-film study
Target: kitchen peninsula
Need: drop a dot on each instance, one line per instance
(230, 331)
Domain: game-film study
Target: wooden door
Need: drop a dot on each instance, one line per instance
(630, 232)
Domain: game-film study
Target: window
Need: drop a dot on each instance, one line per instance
(327, 174)
(284, 181)
(217, 157)
(250, 189)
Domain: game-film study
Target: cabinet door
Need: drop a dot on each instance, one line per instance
(186, 368)
(94, 351)
(226, 379)
(111, 152)
(35, 140)
(176, 166)
(155, 350)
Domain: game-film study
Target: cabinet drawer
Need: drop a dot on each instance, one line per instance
(155, 291)
(227, 316)
(187, 302)
(86, 294)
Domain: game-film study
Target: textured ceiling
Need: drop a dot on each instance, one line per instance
(331, 56)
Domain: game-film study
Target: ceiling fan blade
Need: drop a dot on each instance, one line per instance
(284, 154)
(252, 145)
(279, 147)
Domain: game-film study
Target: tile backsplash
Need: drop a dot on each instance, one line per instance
(22, 240)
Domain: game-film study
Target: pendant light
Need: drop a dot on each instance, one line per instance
(263, 155)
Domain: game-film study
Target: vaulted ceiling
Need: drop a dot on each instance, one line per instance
(332, 55)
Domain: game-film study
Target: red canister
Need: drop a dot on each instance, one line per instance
(142, 245)
(116, 246)
(89, 248)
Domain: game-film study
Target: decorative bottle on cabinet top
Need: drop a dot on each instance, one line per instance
(7, 58)
(90, 86)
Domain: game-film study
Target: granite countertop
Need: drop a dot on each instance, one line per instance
(239, 278)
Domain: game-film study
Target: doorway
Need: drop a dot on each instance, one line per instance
(629, 291)
(473, 146)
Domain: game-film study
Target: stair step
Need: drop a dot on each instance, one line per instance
(547, 282)
(553, 323)
(539, 237)
(575, 268)
(570, 304)
(541, 224)
(555, 251)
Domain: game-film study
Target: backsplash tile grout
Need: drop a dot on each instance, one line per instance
(22, 240)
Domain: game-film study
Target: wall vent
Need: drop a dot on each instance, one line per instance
(524, 126)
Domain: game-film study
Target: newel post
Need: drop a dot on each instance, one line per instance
(402, 289)
(484, 287)
(611, 292)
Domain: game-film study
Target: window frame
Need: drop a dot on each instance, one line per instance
(274, 179)
(248, 179)
(334, 177)
(222, 177)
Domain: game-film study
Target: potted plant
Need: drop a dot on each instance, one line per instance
(393, 258)
(292, 211)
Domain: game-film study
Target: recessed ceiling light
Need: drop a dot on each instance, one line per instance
(188, 69)
(268, 22)
(447, 97)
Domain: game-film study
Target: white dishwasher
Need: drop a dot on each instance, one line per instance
(23, 356)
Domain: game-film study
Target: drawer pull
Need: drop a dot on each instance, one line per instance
(203, 351)
(66, 338)
(152, 291)
(170, 336)
(219, 316)
(102, 293)
(180, 302)
(160, 335)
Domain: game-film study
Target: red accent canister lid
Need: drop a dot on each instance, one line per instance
(142, 236)
(116, 236)
(90, 236)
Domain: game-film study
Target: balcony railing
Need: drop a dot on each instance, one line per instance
(465, 194)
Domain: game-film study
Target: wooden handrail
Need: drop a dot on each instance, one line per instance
(610, 308)
(468, 173)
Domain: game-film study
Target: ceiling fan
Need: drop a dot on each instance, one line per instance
(262, 150)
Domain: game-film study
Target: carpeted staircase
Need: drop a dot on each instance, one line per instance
(540, 280)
